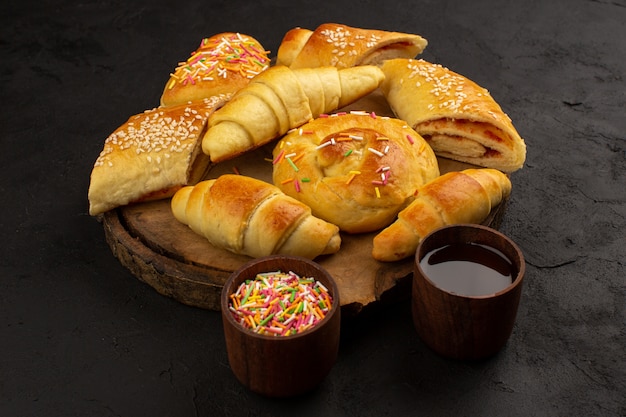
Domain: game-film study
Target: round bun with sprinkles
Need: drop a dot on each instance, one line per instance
(356, 170)
(222, 64)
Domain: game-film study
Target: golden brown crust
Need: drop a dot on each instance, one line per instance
(151, 156)
(467, 196)
(345, 46)
(222, 64)
(355, 170)
(458, 197)
(247, 216)
(458, 118)
(290, 46)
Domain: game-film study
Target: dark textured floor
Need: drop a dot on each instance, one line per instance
(80, 336)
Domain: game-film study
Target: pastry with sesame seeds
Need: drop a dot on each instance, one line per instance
(345, 46)
(456, 197)
(222, 64)
(280, 99)
(151, 155)
(356, 170)
(247, 216)
(459, 119)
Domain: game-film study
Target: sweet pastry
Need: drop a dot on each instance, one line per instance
(466, 196)
(355, 170)
(344, 46)
(459, 119)
(280, 99)
(248, 216)
(151, 155)
(222, 64)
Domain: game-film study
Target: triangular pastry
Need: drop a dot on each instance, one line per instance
(459, 119)
(151, 155)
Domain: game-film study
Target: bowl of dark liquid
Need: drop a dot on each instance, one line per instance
(468, 268)
(467, 284)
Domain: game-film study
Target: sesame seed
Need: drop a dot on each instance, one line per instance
(154, 132)
(447, 87)
(346, 43)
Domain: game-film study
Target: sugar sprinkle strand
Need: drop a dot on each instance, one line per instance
(280, 304)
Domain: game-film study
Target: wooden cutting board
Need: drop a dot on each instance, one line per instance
(178, 263)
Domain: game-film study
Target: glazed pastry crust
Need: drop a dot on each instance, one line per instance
(344, 46)
(354, 170)
(222, 64)
(458, 118)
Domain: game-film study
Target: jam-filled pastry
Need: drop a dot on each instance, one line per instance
(459, 119)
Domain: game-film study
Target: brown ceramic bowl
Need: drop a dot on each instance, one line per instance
(461, 326)
(275, 365)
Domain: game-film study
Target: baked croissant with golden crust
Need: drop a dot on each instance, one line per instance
(280, 99)
(248, 216)
(466, 196)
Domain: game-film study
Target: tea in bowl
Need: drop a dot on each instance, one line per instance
(467, 283)
(281, 317)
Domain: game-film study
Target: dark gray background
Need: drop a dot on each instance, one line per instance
(79, 335)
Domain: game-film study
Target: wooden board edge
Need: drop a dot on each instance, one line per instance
(185, 283)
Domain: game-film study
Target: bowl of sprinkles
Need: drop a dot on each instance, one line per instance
(280, 303)
(281, 317)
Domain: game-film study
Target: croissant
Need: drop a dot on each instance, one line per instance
(248, 216)
(151, 155)
(453, 198)
(222, 64)
(344, 46)
(280, 99)
(459, 119)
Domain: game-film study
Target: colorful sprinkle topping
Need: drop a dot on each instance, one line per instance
(218, 56)
(280, 304)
